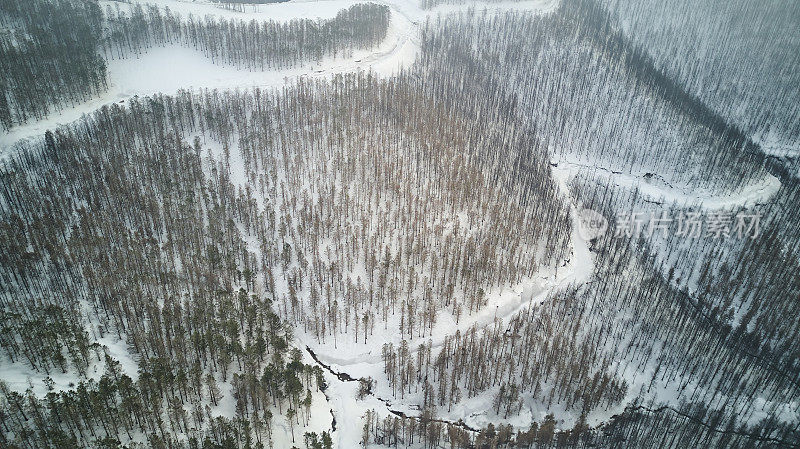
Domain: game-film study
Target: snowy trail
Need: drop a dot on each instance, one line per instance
(751, 195)
(578, 270)
(341, 372)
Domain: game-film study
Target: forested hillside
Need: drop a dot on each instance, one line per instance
(49, 52)
(738, 57)
(526, 224)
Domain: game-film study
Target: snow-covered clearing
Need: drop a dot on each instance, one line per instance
(172, 68)
(169, 69)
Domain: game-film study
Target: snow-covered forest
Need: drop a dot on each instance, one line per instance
(399, 223)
